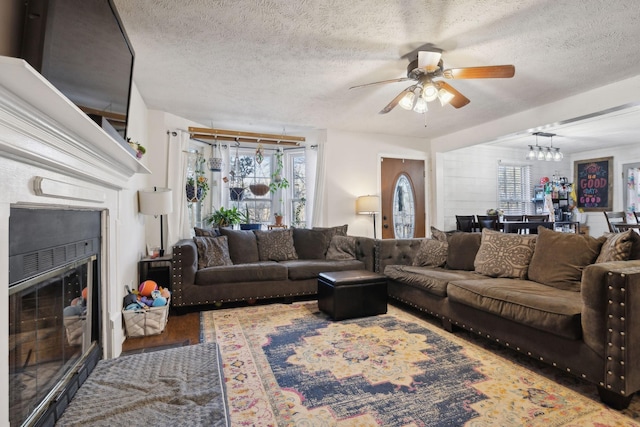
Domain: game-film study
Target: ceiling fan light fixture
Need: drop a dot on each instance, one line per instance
(429, 92)
(445, 96)
(421, 106)
(407, 101)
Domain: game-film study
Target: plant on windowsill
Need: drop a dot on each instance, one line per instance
(246, 223)
(224, 217)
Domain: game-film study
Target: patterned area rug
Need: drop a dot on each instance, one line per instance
(290, 365)
(175, 387)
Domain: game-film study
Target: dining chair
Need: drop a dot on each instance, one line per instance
(513, 217)
(465, 223)
(487, 221)
(614, 218)
(539, 218)
(637, 215)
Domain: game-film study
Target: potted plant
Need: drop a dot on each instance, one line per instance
(224, 217)
(137, 147)
(246, 223)
(278, 183)
(243, 168)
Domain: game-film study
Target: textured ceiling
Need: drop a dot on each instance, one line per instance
(274, 65)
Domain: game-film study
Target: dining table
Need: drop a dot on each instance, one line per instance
(531, 227)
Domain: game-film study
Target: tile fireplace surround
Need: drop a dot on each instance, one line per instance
(52, 155)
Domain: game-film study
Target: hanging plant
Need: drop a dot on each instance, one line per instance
(197, 185)
(215, 161)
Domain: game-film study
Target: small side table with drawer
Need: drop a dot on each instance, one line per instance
(157, 269)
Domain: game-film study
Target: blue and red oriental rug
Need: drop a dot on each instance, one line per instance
(290, 365)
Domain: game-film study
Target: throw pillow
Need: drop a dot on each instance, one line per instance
(559, 258)
(243, 247)
(438, 235)
(212, 251)
(275, 245)
(432, 253)
(504, 254)
(310, 244)
(462, 250)
(617, 247)
(210, 232)
(342, 248)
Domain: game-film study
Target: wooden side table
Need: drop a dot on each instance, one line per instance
(272, 226)
(157, 269)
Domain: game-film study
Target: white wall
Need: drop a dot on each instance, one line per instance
(353, 169)
(469, 179)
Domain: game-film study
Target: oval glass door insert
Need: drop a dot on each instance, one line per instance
(404, 217)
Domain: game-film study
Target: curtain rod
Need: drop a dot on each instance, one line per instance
(248, 137)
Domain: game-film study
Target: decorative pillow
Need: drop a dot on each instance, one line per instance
(432, 253)
(635, 246)
(559, 258)
(275, 245)
(329, 232)
(438, 235)
(342, 248)
(617, 247)
(310, 244)
(504, 254)
(209, 232)
(212, 251)
(462, 250)
(243, 247)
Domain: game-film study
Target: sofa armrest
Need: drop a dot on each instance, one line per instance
(396, 252)
(611, 321)
(184, 265)
(366, 252)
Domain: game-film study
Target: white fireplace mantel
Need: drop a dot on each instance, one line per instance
(44, 128)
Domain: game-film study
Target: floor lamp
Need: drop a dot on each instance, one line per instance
(156, 201)
(368, 205)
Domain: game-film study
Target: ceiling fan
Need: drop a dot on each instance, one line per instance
(427, 67)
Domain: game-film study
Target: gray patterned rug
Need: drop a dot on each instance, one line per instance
(178, 386)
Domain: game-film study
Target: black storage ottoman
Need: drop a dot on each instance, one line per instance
(353, 293)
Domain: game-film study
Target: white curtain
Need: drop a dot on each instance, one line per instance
(178, 221)
(318, 195)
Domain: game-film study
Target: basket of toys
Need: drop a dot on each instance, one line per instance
(146, 311)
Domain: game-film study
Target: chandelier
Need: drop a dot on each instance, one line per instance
(544, 153)
(416, 96)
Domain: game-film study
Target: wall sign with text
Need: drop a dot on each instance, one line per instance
(594, 184)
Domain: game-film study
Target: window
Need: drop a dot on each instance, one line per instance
(514, 189)
(298, 189)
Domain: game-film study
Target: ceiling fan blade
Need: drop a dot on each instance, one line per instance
(402, 79)
(390, 106)
(459, 100)
(428, 60)
(489, 72)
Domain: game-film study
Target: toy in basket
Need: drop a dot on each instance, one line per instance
(146, 309)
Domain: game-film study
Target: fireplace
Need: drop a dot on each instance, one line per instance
(54, 309)
(57, 163)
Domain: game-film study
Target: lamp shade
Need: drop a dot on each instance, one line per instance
(367, 205)
(155, 201)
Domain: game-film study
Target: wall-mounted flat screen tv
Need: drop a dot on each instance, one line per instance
(81, 47)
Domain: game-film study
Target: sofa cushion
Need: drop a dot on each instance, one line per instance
(208, 232)
(504, 254)
(212, 251)
(341, 248)
(310, 269)
(462, 250)
(310, 244)
(243, 246)
(432, 279)
(432, 253)
(559, 258)
(529, 303)
(275, 245)
(254, 272)
(617, 247)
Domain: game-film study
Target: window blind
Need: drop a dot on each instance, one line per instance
(514, 189)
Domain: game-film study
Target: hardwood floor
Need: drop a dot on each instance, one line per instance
(181, 329)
